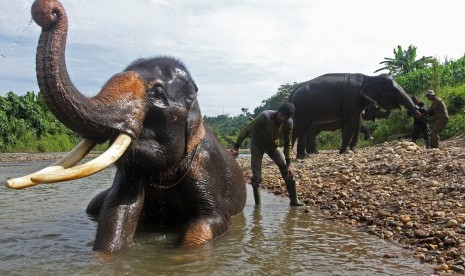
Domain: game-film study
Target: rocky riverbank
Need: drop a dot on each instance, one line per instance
(396, 191)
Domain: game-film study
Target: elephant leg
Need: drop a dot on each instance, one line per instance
(301, 140)
(354, 140)
(94, 206)
(203, 230)
(366, 133)
(350, 131)
(311, 142)
(119, 215)
(346, 138)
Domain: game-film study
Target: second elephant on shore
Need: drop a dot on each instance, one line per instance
(339, 99)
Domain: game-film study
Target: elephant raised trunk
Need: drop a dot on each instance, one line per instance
(116, 113)
(87, 116)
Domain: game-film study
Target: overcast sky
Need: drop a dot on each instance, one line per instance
(238, 52)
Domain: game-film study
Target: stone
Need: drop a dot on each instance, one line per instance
(421, 234)
(441, 267)
(383, 213)
(451, 223)
(404, 218)
(457, 268)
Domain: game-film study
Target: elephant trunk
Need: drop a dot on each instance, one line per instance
(96, 118)
(406, 101)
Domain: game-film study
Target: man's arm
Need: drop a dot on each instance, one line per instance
(244, 133)
(287, 142)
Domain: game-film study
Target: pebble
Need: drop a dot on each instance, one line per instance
(451, 223)
(404, 218)
(421, 234)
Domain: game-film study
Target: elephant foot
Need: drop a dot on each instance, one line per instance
(301, 156)
(345, 151)
(197, 234)
(313, 152)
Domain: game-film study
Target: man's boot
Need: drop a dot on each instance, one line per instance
(256, 193)
(290, 186)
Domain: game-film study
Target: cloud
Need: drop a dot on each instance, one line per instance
(239, 52)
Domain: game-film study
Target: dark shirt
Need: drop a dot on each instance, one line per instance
(266, 132)
(421, 107)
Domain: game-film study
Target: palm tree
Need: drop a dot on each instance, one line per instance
(405, 61)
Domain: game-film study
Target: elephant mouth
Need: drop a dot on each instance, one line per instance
(65, 169)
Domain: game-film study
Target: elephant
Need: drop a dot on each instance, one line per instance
(171, 170)
(338, 99)
(371, 112)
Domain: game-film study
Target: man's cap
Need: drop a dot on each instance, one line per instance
(430, 93)
(287, 109)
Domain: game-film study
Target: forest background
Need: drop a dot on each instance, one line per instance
(26, 124)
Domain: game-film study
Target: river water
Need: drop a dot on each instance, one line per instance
(44, 230)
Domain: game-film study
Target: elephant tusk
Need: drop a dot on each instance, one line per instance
(98, 164)
(69, 160)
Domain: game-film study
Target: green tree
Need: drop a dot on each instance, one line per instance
(281, 96)
(405, 61)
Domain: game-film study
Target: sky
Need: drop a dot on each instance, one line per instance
(239, 52)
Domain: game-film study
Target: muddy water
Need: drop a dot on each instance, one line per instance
(45, 231)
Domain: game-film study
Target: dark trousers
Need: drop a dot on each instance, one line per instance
(423, 128)
(256, 161)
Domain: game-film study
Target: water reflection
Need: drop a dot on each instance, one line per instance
(45, 231)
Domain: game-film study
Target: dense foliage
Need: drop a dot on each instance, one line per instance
(26, 125)
(227, 128)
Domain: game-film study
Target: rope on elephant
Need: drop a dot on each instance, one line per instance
(185, 174)
(13, 46)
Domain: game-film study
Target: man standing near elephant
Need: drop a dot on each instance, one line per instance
(265, 131)
(419, 124)
(437, 116)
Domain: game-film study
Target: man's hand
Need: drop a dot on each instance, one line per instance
(234, 152)
(288, 175)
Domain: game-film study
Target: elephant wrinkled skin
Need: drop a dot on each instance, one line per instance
(171, 170)
(338, 100)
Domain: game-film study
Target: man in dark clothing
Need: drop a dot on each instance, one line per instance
(437, 116)
(419, 125)
(265, 131)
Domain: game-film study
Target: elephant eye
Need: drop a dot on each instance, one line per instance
(157, 89)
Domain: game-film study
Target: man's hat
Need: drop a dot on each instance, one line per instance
(287, 109)
(430, 93)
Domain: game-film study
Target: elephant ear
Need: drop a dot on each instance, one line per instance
(195, 130)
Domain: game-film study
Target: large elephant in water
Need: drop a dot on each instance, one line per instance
(339, 99)
(372, 112)
(171, 169)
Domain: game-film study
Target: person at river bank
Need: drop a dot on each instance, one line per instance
(419, 124)
(437, 116)
(265, 131)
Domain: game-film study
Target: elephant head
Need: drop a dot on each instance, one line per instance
(148, 103)
(386, 93)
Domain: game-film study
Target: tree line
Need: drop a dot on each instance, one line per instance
(26, 124)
